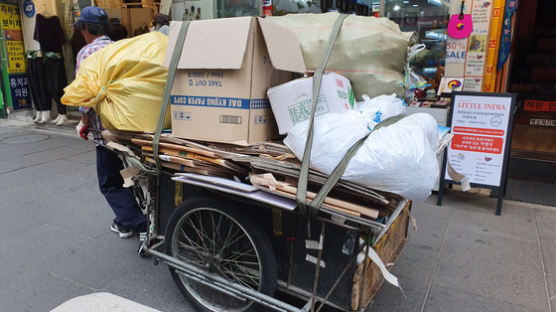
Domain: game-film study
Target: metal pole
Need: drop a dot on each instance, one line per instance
(323, 302)
(317, 269)
(217, 282)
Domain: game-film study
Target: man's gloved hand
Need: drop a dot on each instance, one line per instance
(82, 130)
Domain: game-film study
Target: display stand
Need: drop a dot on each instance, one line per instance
(482, 128)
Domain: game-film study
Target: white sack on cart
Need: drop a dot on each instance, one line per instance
(399, 158)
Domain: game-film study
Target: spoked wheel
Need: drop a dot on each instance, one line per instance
(221, 240)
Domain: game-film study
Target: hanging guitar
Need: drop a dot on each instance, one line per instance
(461, 25)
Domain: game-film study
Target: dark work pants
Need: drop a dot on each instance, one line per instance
(37, 84)
(121, 200)
(47, 80)
(56, 81)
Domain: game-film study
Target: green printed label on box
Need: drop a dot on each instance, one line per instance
(301, 111)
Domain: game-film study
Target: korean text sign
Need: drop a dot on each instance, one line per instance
(10, 23)
(481, 125)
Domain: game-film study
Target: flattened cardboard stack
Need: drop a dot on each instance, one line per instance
(269, 166)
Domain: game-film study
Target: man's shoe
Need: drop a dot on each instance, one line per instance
(122, 231)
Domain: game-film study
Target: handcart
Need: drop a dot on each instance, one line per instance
(231, 248)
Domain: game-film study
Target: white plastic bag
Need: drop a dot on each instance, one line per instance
(399, 158)
(334, 134)
(379, 108)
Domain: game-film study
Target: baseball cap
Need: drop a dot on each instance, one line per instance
(93, 15)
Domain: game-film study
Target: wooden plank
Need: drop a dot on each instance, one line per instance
(369, 212)
(178, 167)
(388, 248)
(178, 160)
(219, 162)
(319, 178)
(176, 157)
(288, 195)
(177, 147)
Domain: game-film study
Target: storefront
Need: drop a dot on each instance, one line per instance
(533, 76)
(509, 50)
(24, 57)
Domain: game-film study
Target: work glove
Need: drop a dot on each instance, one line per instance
(82, 130)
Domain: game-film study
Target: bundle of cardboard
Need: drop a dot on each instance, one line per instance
(269, 166)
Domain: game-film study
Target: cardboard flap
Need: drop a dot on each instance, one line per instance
(283, 48)
(211, 44)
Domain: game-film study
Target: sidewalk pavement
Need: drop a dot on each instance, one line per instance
(57, 245)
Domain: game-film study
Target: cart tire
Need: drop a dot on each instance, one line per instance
(220, 238)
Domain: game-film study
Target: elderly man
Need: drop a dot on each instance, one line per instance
(93, 24)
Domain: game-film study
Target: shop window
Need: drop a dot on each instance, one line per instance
(233, 8)
(429, 19)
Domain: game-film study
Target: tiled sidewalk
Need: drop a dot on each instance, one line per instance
(56, 242)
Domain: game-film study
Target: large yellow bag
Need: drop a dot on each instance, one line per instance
(124, 83)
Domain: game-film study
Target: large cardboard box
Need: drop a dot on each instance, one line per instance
(291, 102)
(224, 71)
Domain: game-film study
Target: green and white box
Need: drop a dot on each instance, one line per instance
(291, 101)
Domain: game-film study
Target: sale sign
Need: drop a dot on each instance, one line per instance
(480, 124)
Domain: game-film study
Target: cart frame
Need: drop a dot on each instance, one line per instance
(154, 245)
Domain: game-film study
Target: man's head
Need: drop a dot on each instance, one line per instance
(93, 23)
(161, 20)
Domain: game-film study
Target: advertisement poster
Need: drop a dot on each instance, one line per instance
(477, 44)
(480, 125)
(19, 90)
(456, 50)
(466, 58)
(449, 85)
(14, 63)
(489, 79)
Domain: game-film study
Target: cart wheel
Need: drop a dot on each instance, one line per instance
(222, 240)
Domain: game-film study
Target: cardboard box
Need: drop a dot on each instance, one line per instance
(224, 71)
(291, 102)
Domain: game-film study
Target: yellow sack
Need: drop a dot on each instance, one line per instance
(124, 83)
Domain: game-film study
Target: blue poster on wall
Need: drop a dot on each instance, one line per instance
(19, 86)
(29, 8)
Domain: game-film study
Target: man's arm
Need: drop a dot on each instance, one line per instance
(85, 118)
